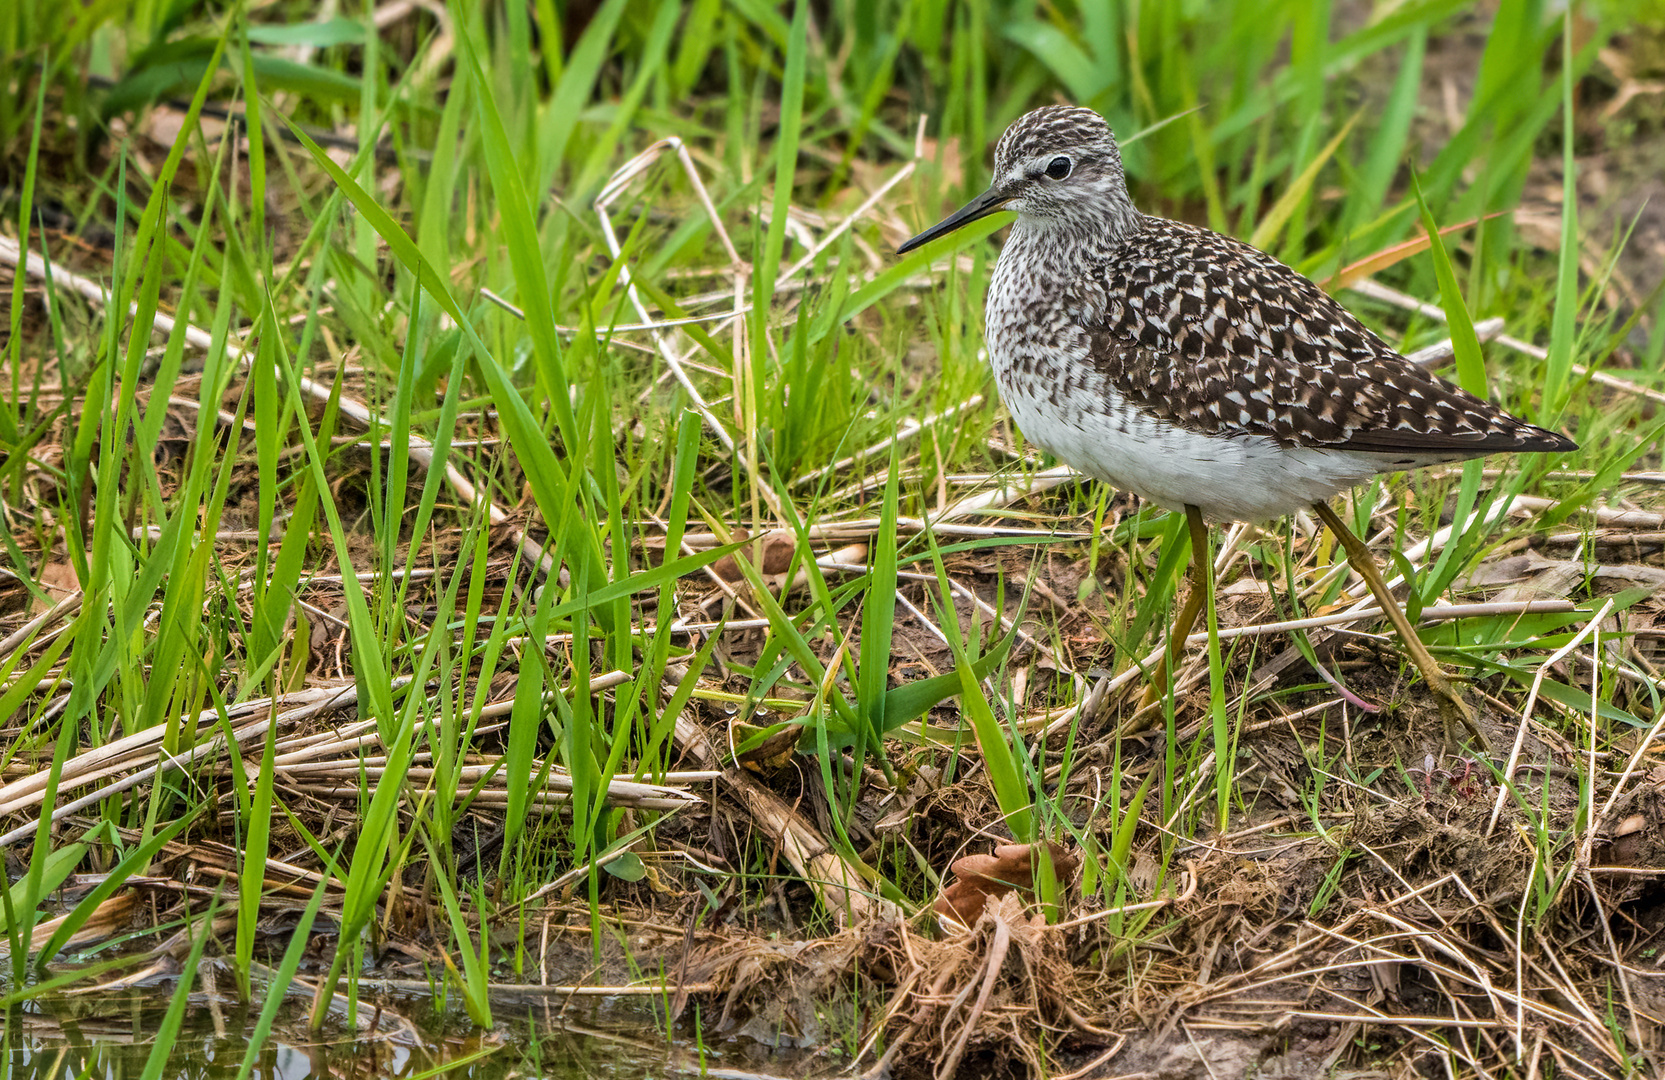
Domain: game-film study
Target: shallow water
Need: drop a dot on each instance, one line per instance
(113, 1037)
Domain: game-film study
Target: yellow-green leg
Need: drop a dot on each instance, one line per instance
(1452, 706)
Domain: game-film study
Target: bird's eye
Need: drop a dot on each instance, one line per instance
(1059, 168)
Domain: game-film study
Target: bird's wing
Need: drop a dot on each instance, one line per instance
(1212, 335)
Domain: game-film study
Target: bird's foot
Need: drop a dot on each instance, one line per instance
(1456, 713)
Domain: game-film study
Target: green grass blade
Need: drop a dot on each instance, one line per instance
(1565, 320)
(158, 1062)
(1299, 190)
(9, 426)
(878, 619)
(1002, 759)
(252, 876)
(1465, 343)
(284, 976)
(133, 862)
(476, 997)
(520, 237)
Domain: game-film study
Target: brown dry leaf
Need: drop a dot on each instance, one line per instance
(779, 546)
(59, 580)
(1011, 868)
(1631, 824)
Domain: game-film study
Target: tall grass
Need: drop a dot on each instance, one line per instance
(346, 292)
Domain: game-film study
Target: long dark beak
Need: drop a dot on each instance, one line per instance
(982, 206)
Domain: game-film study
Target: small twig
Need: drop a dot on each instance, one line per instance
(909, 429)
(1433, 613)
(1440, 351)
(611, 190)
(1526, 710)
(69, 605)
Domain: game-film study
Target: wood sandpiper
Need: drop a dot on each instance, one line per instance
(1197, 372)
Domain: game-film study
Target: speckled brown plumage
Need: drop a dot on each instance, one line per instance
(1184, 365)
(1208, 333)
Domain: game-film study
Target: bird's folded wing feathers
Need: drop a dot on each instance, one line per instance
(1209, 334)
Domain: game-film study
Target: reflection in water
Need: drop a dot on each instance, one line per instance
(110, 1038)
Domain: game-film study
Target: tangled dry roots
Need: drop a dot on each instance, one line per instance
(997, 999)
(994, 992)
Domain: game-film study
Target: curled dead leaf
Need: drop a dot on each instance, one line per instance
(1010, 869)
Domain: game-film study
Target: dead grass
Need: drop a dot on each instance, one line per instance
(1357, 902)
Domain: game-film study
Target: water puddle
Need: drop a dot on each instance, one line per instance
(112, 1037)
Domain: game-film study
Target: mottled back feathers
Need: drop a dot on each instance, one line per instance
(1207, 333)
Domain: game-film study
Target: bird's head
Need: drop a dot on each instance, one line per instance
(1058, 167)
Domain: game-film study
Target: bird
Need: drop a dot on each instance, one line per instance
(1198, 372)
